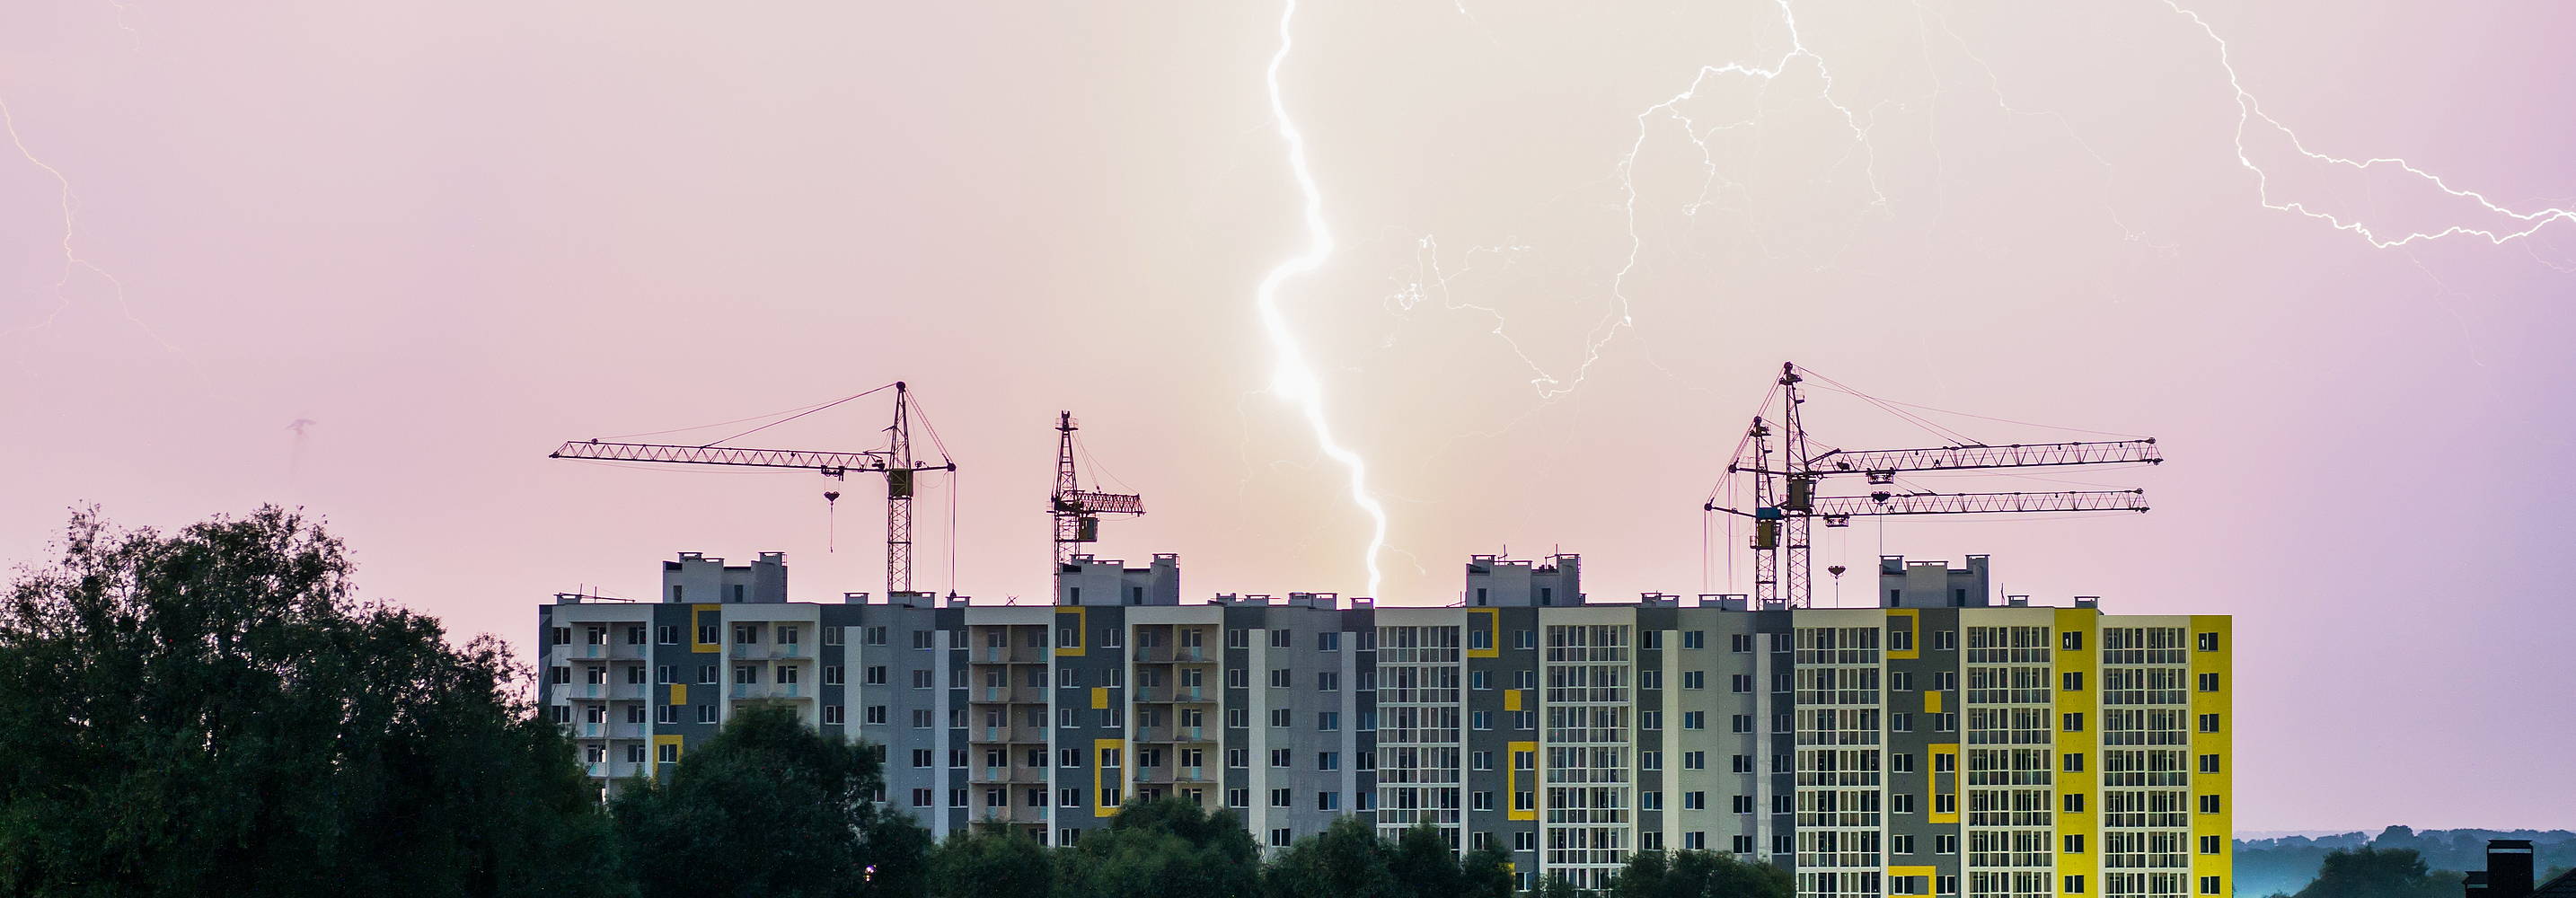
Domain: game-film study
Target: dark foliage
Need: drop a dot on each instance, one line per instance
(771, 806)
(213, 711)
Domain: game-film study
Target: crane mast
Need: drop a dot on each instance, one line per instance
(1787, 498)
(1076, 510)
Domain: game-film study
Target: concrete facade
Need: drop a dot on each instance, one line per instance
(1942, 744)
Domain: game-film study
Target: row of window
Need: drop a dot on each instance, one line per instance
(1900, 638)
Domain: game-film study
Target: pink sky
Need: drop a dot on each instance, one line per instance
(456, 234)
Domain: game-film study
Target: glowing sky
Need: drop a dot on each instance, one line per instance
(1571, 242)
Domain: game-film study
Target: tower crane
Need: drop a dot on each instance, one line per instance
(1077, 511)
(1786, 479)
(896, 462)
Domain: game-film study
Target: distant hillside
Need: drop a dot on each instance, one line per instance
(2266, 866)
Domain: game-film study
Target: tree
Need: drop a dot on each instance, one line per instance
(1162, 849)
(2371, 872)
(991, 862)
(1557, 886)
(214, 711)
(771, 806)
(1698, 874)
(1486, 873)
(1346, 860)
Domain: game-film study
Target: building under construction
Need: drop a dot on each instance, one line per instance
(1947, 742)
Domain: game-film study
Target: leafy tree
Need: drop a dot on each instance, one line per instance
(1346, 860)
(1698, 874)
(1557, 886)
(1486, 873)
(1425, 865)
(1162, 849)
(214, 711)
(2371, 872)
(991, 862)
(770, 806)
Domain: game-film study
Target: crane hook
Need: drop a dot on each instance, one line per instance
(831, 529)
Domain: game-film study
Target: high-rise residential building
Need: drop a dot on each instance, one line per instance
(1946, 742)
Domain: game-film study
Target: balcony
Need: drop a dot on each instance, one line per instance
(1008, 734)
(1018, 695)
(632, 692)
(1156, 694)
(1163, 734)
(586, 730)
(617, 769)
(1167, 655)
(1011, 814)
(770, 690)
(1172, 775)
(1012, 655)
(787, 650)
(1030, 775)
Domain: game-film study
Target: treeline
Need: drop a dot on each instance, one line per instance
(215, 711)
(2291, 864)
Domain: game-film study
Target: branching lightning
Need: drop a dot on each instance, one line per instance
(2248, 109)
(73, 261)
(1293, 379)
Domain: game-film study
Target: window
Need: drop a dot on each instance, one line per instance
(1328, 682)
(1949, 723)
(2209, 682)
(1238, 639)
(1282, 838)
(1238, 798)
(2209, 642)
(1650, 679)
(1744, 844)
(1238, 718)
(1328, 721)
(1524, 639)
(1280, 717)
(1900, 803)
(1525, 679)
(1782, 804)
(1483, 720)
(1480, 640)
(1280, 639)
(1282, 678)
(1945, 641)
(1739, 643)
(707, 632)
(1739, 804)
(2071, 802)
(2209, 763)
(2209, 884)
(1945, 844)
(1694, 760)
(1900, 723)
(2209, 723)
(667, 634)
(1525, 801)
(666, 753)
(1650, 640)
(595, 675)
(1945, 763)
(921, 718)
(2074, 844)
(1280, 798)
(957, 678)
(2074, 723)
(2071, 681)
(1740, 723)
(1480, 680)
(1900, 681)
(1280, 757)
(1650, 801)
(1524, 760)
(746, 634)
(1692, 639)
(1694, 720)
(746, 673)
(2212, 844)
(876, 715)
(1744, 764)
(666, 714)
(1650, 720)
(2073, 762)
(1328, 642)
(832, 675)
(1946, 681)
(921, 639)
(2075, 883)
(922, 679)
(1328, 801)
(595, 713)
(1650, 760)
(1237, 678)
(1900, 637)
(1694, 679)
(707, 713)
(2070, 641)
(832, 714)
(2209, 804)
(1739, 683)
(1525, 840)
(1945, 804)
(665, 673)
(1480, 840)
(1368, 680)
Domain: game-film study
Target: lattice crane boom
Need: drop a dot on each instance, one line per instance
(895, 462)
(1076, 510)
(1787, 472)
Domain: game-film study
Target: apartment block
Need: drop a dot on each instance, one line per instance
(1947, 742)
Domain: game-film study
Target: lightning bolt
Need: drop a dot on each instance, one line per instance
(2248, 109)
(69, 203)
(1293, 379)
